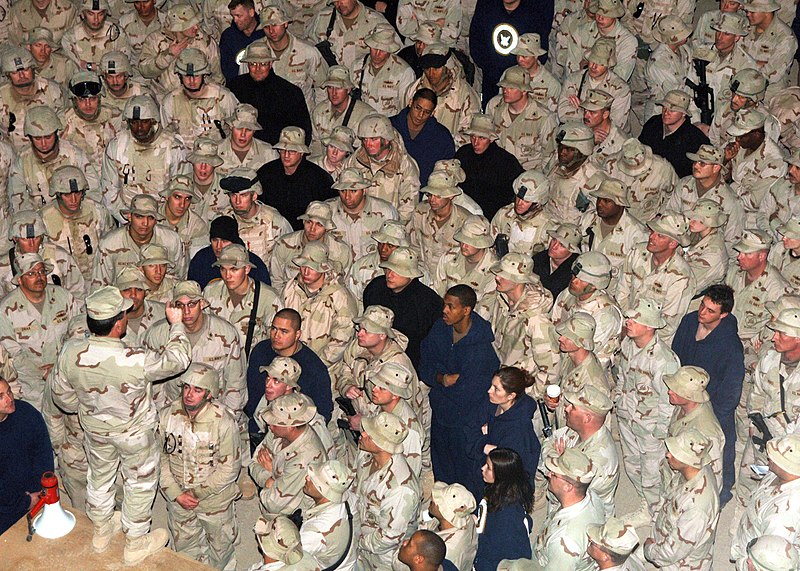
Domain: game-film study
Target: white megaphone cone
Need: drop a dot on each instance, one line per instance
(53, 521)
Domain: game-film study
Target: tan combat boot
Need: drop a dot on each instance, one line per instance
(246, 485)
(137, 549)
(103, 534)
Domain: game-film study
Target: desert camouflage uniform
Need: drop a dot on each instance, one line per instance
(214, 201)
(163, 293)
(192, 229)
(347, 43)
(609, 147)
(545, 88)
(217, 16)
(323, 120)
(93, 220)
(59, 15)
(527, 233)
(131, 168)
(192, 117)
(431, 239)
(649, 190)
(219, 297)
(135, 87)
(136, 30)
(529, 136)
(562, 541)
(385, 89)
(7, 158)
(82, 45)
(59, 68)
(627, 233)
(455, 106)
(387, 500)
(720, 72)
(686, 527)
(725, 118)
(624, 48)
(117, 250)
(137, 327)
(201, 455)
(301, 64)
(664, 72)
(108, 384)
(158, 64)
(281, 268)
(653, 11)
(644, 413)
(773, 51)
(395, 180)
(361, 272)
(31, 336)
(317, 424)
(565, 25)
(708, 260)
(778, 206)
(702, 419)
(461, 542)
(453, 269)
(92, 137)
(703, 34)
(787, 265)
(357, 233)
(65, 268)
(325, 533)
(565, 187)
(573, 377)
(260, 153)
(754, 174)
(579, 83)
(261, 231)
(411, 12)
(607, 316)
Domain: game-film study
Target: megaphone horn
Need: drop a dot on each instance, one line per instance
(53, 521)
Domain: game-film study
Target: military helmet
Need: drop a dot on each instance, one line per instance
(192, 62)
(749, 83)
(85, 84)
(593, 268)
(41, 121)
(16, 59)
(141, 107)
(68, 179)
(577, 136)
(376, 125)
(202, 376)
(115, 62)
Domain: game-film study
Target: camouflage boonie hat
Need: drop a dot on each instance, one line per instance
(787, 322)
(455, 502)
(749, 83)
(143, 205)
(279, 539)
(183, 184)
(515, 77)
(689, 446)
(245, 116)
(234, 255)
(338, 76)
(258, 52)
(386, 430)
(40, 34)
(115, 62)
(708, 154)
(579, 328)
(377, 319)
(241, 179)
(181, 17)
(708, 213)
(41, 121)
(272, 16)
(26, 262)
(590, 398)
(142, 107)
(482, 125)
(384, 38)
(615, 535)
(192, 62)
(671, 30)
(106, 302)
(568, 235)
(285, 370)
(734, 23)
(576, 135)
(676, 100)
(610, 8)
(320, 212)
(376, 125)
(753, 241)
(529, 45)
(393, 377)
(403, 261)
(131, 277)
(671, 224)
(291, 409)
(597, 100)
(292, 139)
(594, 268)
(451, 167)
(572, 464)
(603, 52)
(351, 179)
(688, 382)
(16, 59)
(342, 138)
(613, 190)
(68, 179)
(190, 289)
(532, 186)
(205, 151)
(516, 267)
(392, 232)
(428, 32)
(331, 479)
(747, 120)
(476, 232)
(442, 185)
(26, 224)
(635, 158)
(315, 256)
(782, 303)
(790, 229)
(154, 255)
(772, 553)
(646, 312)
(785, 452)
(761, 6)
(201, 376)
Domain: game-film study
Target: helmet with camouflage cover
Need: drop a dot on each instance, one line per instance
(749, 83)
(192, 62)
(593, 268)
(202, 376)
(376, 125)
(41, 121)
(16, 59)
(142, 107)
(26, 224)
(577, 136)
(68, 179)
(85, 84)
(115, 62)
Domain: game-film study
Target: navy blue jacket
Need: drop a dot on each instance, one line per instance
(315, 382)
(473, 358)
(203, 272)
(433, 143)
(231, 42)
(504, 537)
(25, 454)
(720, 354)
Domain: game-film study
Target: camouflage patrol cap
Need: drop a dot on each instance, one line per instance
(16, 59)
(85, 84)
(572, 464)
(636, 158)
(292, 139)
(285, 370)
(393, 377)
(384, 38)
(279, 539)
(183, 184)
(689, 446)
(40, 34)
(377, 319)
(671, 30)
(455, 502)
(591, 398)
(614, 190)
(519, 565)
(26, 262)
(241, 179)
(154, 255)
(442, 185)
(205, 151)
(782, 303)
(708, 154)
(646, 312)
(192, 62)
(529, 45)
(115, 62)
(235, 256)
(688, 382)
(772, 553)
(603, 52)
(749, 83)
(676, 100)
(615, 535)
(331, 479)
(26, 224)
(320, 212)
(94, 5)
(141, 107)
(201, 376)
(761, 6)
(672, 224)
(314, 255)
(291, 409)
(68, 179)
(376, 125)
(428, 32)
(579, 328)
(594, 268)
(532, 186)
(576, 136)
(516, 267)
(597, 100)
(273, 15)
(245, 116)
(41, 121)
(189, 289)
(143, 205)
(338, 76)
(787, 322)
(709, 213)
(403, 261)
(106, 302)
(482, 125)
(392, 232)
(476, 232)
(342, 138)
(386, 430)
(731, 23)
(790, 229)
(181, 17)
(515, 77)
(610, 8)
(568, 235)
(753, 241)
(258, 52)
(785, 453)
(451, 167)
(351, 179)
(131, 277)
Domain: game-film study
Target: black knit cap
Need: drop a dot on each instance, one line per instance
(226, 228)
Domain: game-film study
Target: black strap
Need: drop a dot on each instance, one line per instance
(783, 399)
(12, 255)
(363, 71)
(583, 79)
(330, 24)
(251, 325)
(349, 541)
(591, 236)
(349, 111)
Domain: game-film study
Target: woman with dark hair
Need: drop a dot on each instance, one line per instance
(503, 520)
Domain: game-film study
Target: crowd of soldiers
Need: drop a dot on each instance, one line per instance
(226, 216)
